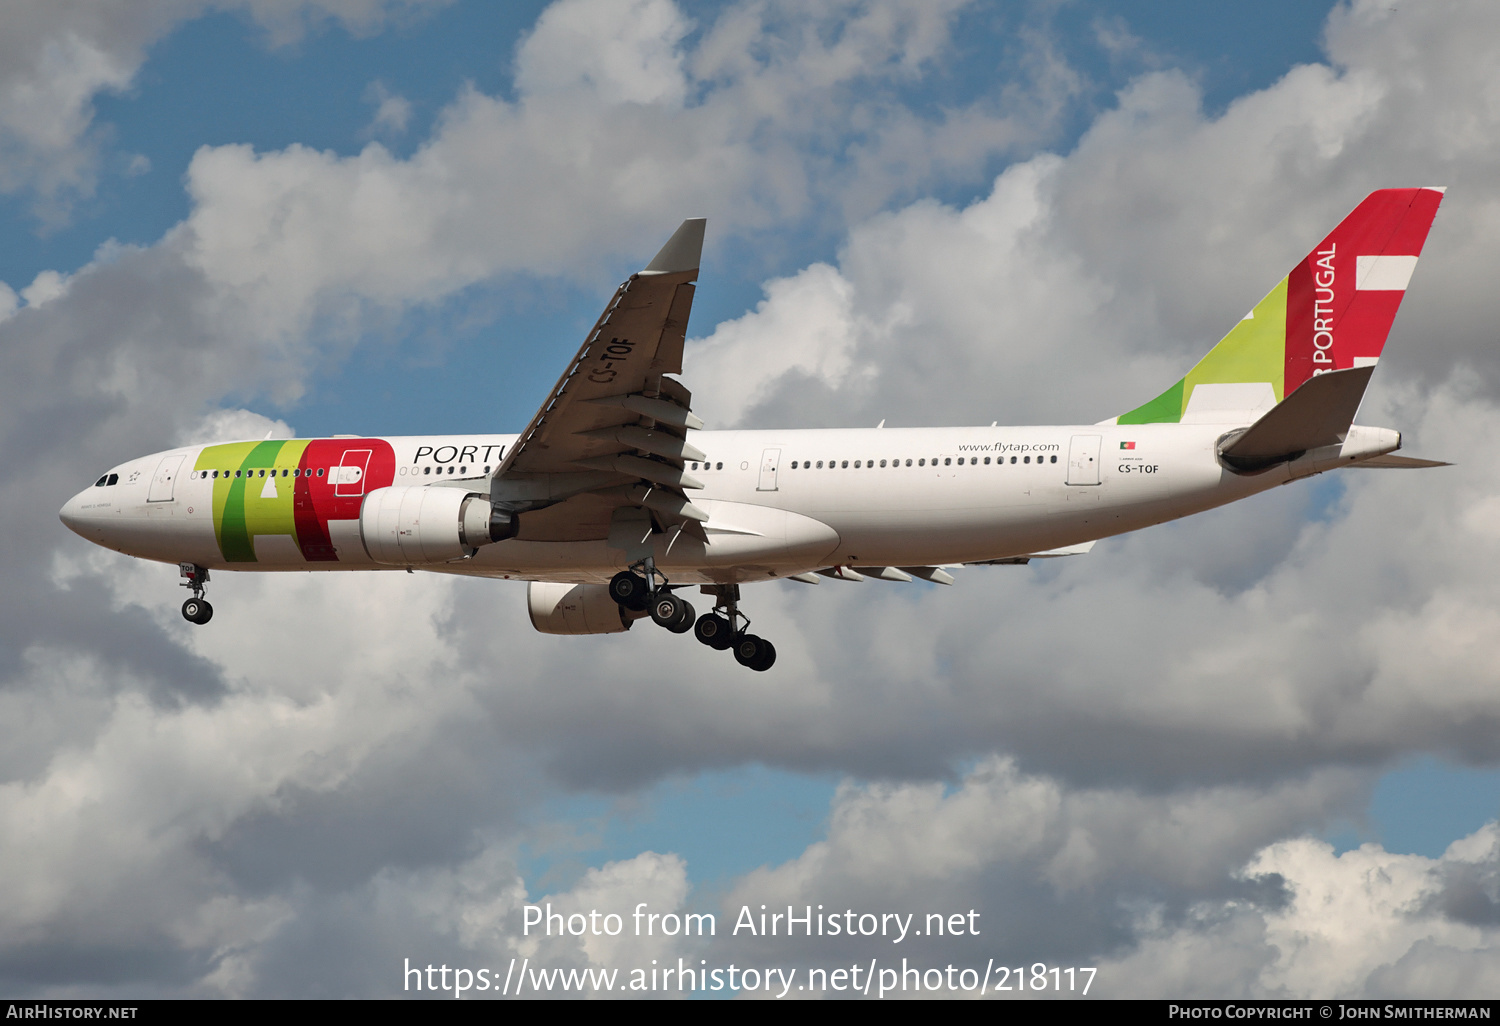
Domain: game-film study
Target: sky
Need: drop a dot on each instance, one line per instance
(1255, 753)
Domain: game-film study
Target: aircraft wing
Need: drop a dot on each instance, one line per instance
(613, 431)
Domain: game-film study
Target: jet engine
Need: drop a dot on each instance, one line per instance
(576, 609)
(411, 526)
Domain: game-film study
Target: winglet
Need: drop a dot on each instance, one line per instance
(682, 251)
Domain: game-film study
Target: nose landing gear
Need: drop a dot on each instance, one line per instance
(724, 628)
(196, 609)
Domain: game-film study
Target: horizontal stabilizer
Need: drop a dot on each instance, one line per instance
(1317, 414)
(1390, 461)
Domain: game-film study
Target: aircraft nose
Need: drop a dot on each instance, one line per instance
(71, 515)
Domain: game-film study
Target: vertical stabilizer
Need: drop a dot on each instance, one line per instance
(1332, 312)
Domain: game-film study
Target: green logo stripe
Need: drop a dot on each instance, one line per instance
(1164, 409)
(1253, 351)
(259, 501)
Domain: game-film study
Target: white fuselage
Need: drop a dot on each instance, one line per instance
(779, 502)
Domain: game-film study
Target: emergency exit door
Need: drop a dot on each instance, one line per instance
(165, 479)
(1083, 460)
(349, 476)
(769, 461)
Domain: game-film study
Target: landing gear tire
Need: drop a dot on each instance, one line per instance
(198, 611)
(684, 621)
(667, 610)
(714, 631)
(755, 652)
(630, 590)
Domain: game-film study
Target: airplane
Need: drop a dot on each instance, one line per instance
(615, 497)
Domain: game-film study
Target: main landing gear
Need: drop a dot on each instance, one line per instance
(723, 628)
(196, 609)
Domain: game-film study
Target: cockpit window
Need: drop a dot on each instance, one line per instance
(114, 479)
(102, 481)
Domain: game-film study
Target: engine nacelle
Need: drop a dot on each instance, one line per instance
(575, 609)
(412, 526)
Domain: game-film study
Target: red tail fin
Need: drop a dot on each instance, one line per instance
(1342, 299)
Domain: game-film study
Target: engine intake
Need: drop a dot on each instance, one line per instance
(411, 526)
(576, 609)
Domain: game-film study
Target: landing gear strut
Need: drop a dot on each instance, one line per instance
(196, 609)
(643, 588)
(723, 629)
(640, 592)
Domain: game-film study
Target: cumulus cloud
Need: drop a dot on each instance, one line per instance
(1164, 894)
(233, 426)
(606, 146)
(392, 110)
(620, 52)
(1365, 923)
(58, 56)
